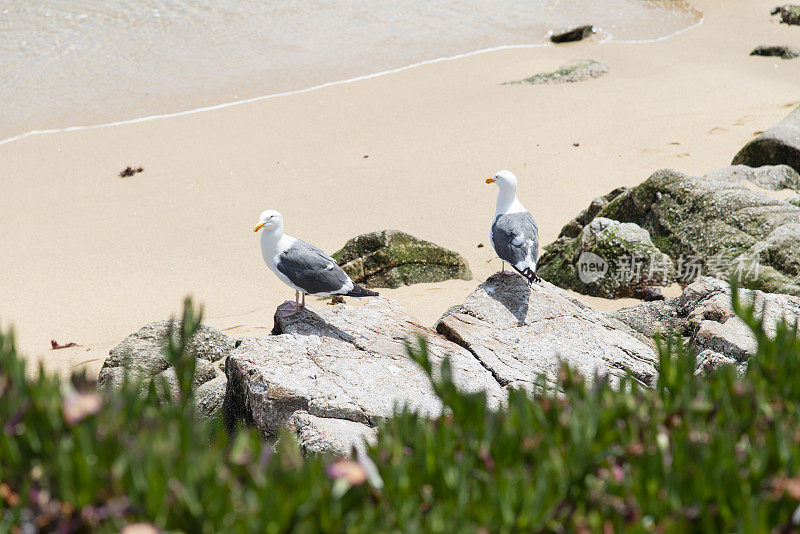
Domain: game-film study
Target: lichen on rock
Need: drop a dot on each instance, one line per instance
(391, 258)
(714, 225)
(607, 259)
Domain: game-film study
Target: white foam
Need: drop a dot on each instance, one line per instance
(329, 84)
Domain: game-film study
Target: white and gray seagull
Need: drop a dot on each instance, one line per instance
(514, 233)
(302, 266)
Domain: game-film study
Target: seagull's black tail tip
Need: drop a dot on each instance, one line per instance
(359, 291)
(529, 275)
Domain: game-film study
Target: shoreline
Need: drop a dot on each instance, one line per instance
(96, 257)
(223, 105)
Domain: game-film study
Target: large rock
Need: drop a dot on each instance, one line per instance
(327, 434)
(703, 316)
(790, 13)
(575, 34)
(520, 333)
(781, 51)
(345, 363)
(778, 145)
(392, 259)
(141, 355)
(710, 225)
(574, 71)
(607, 259)
(772, 177)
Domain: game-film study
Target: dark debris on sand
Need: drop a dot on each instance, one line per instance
(129, 171)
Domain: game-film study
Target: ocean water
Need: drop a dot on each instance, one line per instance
(80, 62)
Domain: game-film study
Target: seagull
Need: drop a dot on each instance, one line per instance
(302, 266)
(514, 233)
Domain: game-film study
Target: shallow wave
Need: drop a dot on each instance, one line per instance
(66, 62)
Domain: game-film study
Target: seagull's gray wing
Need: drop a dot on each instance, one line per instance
(311, 269)
(515, 237)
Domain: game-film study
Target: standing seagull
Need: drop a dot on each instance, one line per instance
(302, 266)
(514, 233)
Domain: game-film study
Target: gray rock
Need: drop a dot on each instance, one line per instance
(346, 363)
(574, 71)
(607, 259)
(778, 145)
(772, 177)
(790, 13)
(795, 201)
(781, 51)
(575, 34)
(329, 435)
(520, 333)
(709, 361)
(651, 318)
(391, 258)
(712, 225)
(141, 355)
(209, 396)
(703, 315)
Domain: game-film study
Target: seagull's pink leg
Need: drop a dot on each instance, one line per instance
(288, 308)
(303, 305)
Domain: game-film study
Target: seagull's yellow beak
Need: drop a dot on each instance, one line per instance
(258, 227)
(490, 180)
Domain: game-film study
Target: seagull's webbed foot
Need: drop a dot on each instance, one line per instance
(289, 308)
(508, 272)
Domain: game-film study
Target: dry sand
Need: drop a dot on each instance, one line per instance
(89, 257)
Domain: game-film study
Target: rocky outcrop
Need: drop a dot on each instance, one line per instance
(520, 333)
(778, 145)
(711, 225)
(781, 51)
(331, 374)
(346, 363)
(575, 34)
(574, 71)
(607, 259)
(703, 316)
(772, 177)
(141, 355)
(790, 13)
(392, 259)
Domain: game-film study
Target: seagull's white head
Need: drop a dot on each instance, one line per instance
(270, 220)
(505, 180)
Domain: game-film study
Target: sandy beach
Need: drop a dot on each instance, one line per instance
(90, 257)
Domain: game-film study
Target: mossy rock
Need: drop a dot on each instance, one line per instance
(608, 259)
(781, 51)
(714, 226)
(574, 71)
(790, 13)
(391, 258)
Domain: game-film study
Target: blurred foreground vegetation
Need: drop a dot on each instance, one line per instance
(711, 454)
